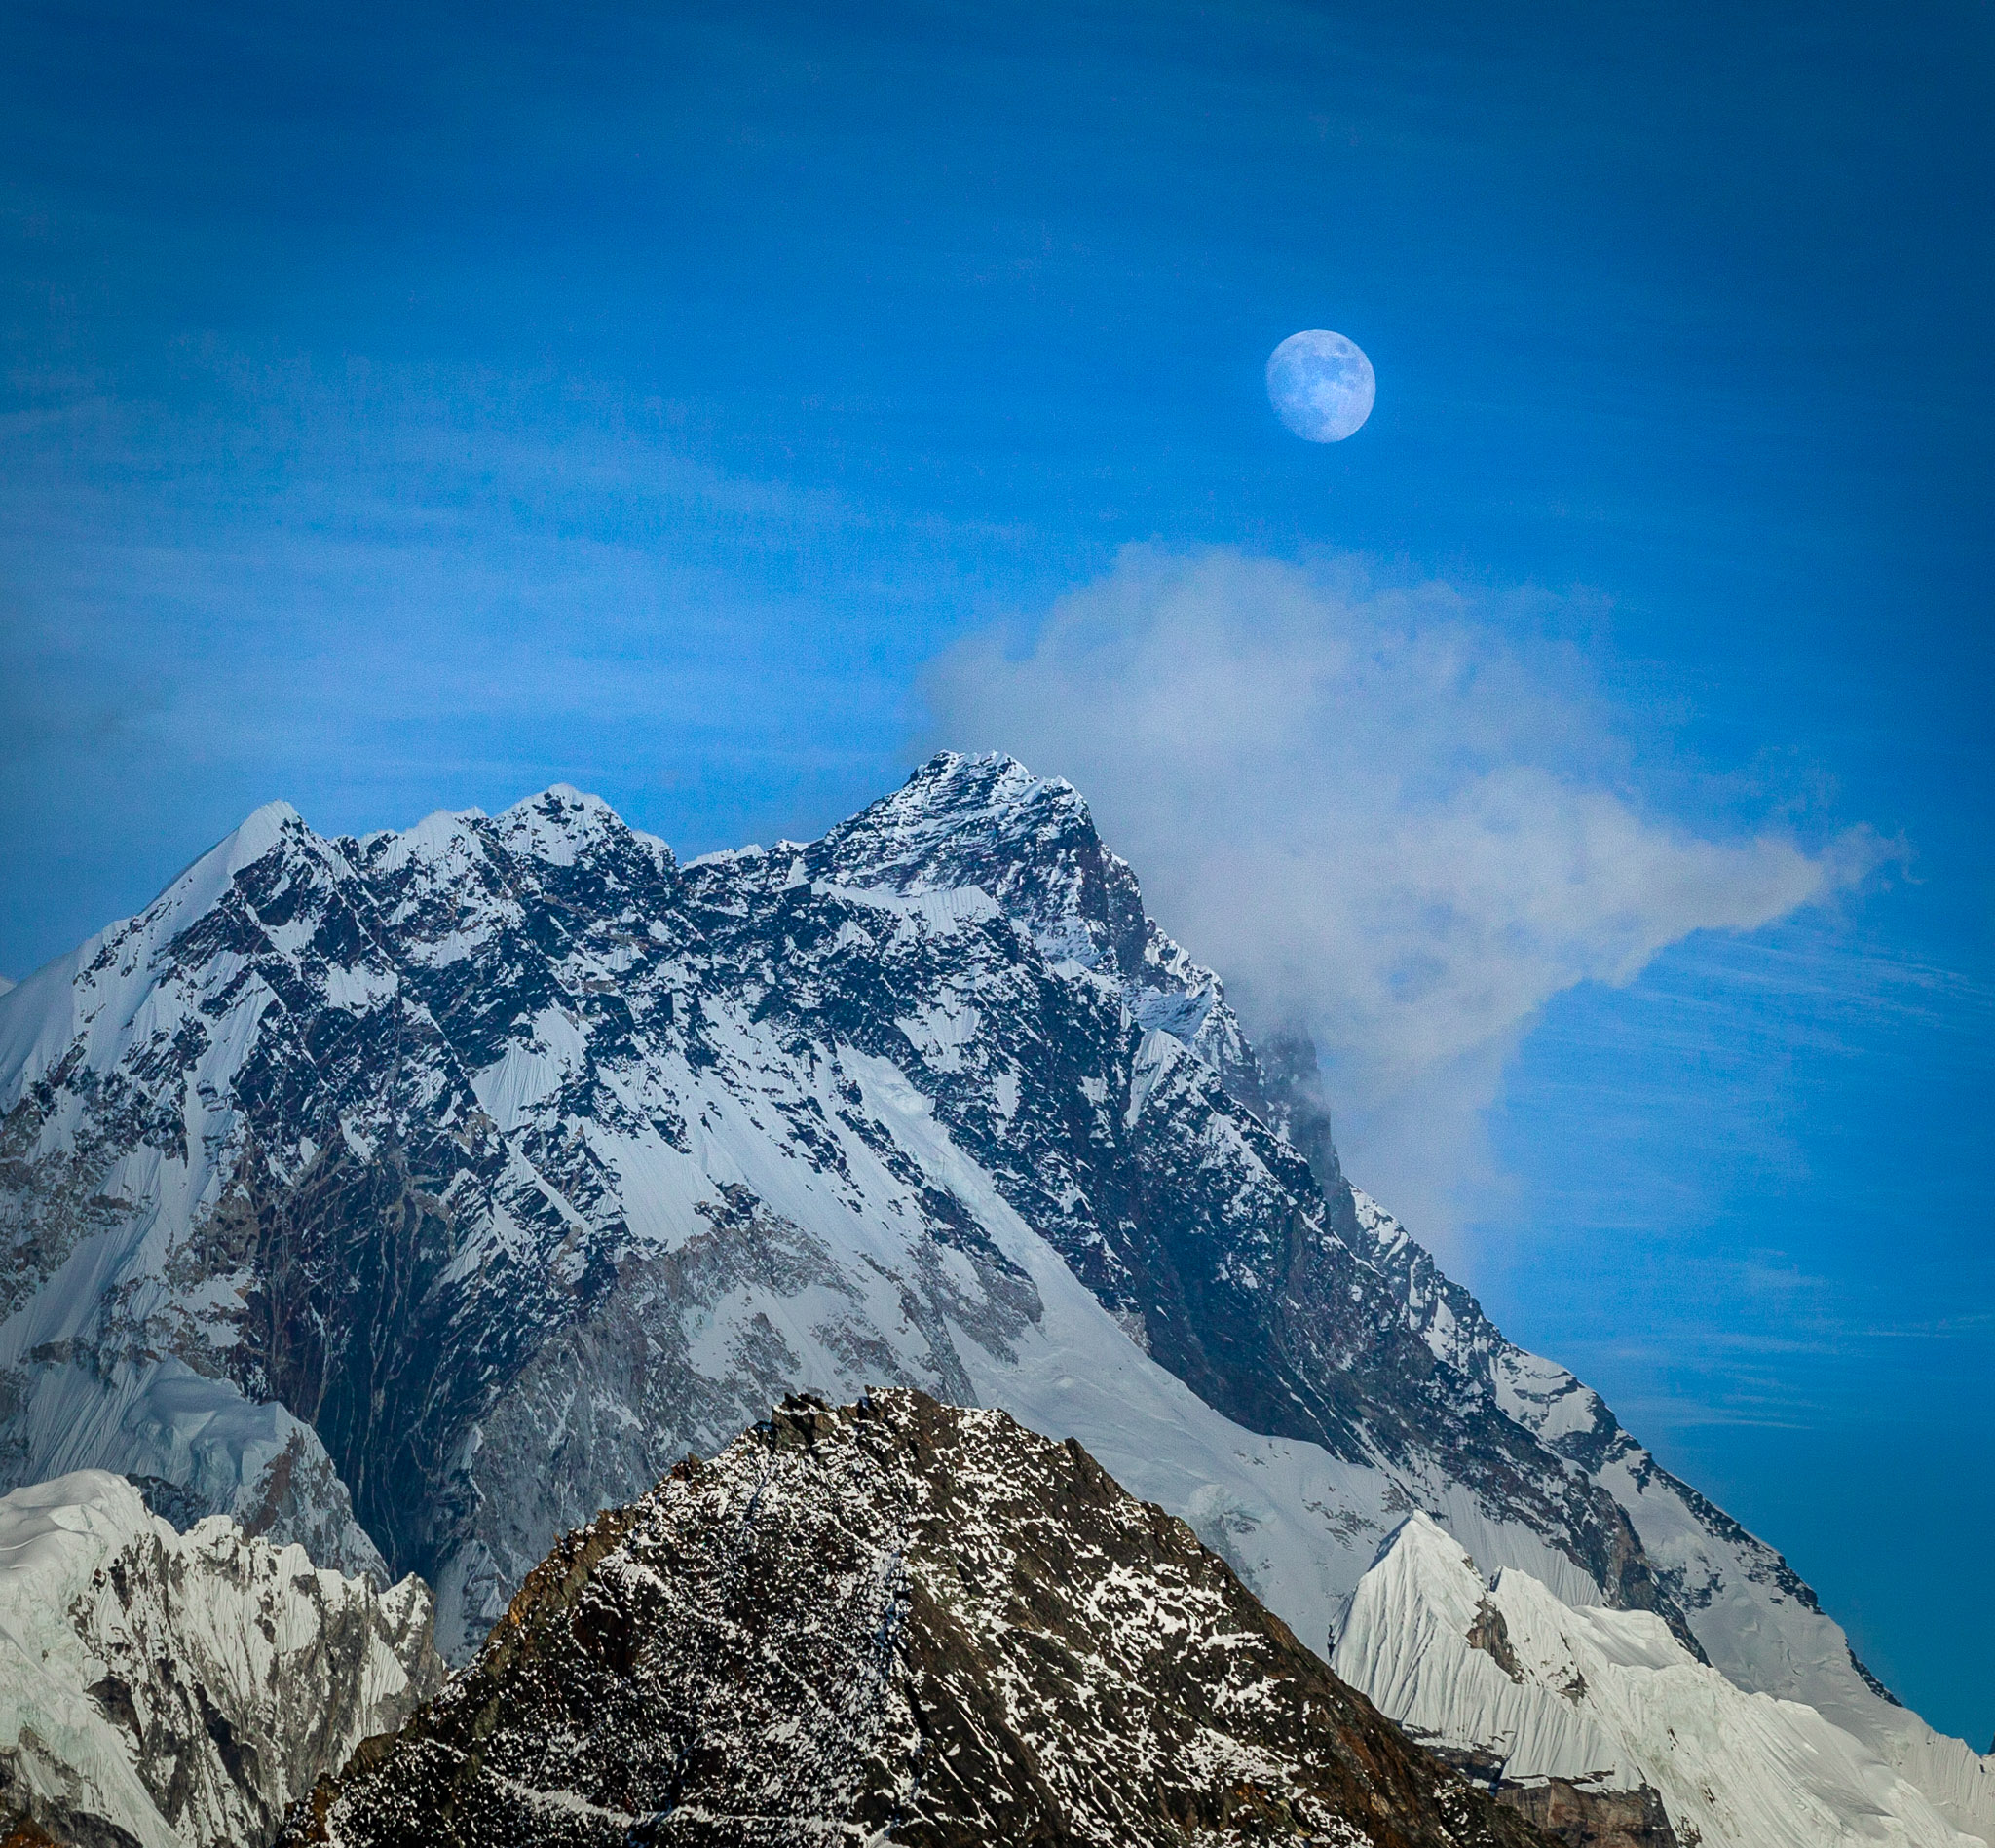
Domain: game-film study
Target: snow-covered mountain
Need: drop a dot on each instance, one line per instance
(414, 1197)
(1609, 1700)
(896, 1619)
(181, 1690)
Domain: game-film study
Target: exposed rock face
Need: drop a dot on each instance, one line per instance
(1593, 1819)
(897, 1621)
(179, 1690)
(414, 1197)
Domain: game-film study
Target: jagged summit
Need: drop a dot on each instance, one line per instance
(987, 823)
(561, 824)
(415, 1195)
(1604, 1705)
(180, 1690)
(894, 1620)
(957, 819)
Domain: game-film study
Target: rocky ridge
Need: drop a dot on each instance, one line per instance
(895, 1620)
(415, 1195)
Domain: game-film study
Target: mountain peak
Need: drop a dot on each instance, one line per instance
(562, 823)
(906, 839)
(259, 831)
(1609, 1710)
(261, 826)
(1029, 842)
(896, 1617)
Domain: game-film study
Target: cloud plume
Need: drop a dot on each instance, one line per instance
(1379, 819)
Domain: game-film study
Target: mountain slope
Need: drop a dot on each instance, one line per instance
(904, 1619)
(1609, 1700)
(415, 1196)
(180, 1690)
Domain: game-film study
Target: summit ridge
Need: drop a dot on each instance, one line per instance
(414, 1197)
(895, 1620)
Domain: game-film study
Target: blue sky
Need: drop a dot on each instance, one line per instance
(410, 407)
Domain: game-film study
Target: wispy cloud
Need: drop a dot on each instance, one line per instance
(1381, 818)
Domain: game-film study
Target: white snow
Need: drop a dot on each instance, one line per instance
(529, 1074)
(1299, 1525)
(943, 910)
(1610, 1699)
(92, 1587)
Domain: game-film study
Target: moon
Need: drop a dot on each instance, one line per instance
(1321, 384)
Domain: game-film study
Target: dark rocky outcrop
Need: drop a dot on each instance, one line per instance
(1580, 1818)
(894, 1621)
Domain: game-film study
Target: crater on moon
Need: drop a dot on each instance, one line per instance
(1321, 384)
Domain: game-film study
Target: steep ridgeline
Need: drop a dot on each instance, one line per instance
(416, 1197)
(181, 1690)
(1597, 1709)
(895, 1621)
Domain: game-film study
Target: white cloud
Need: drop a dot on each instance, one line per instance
(1375, 816)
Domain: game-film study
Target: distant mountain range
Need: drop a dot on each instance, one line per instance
(415, 1196)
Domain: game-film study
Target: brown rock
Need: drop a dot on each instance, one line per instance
(895, 1621)
(1593, 1818)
